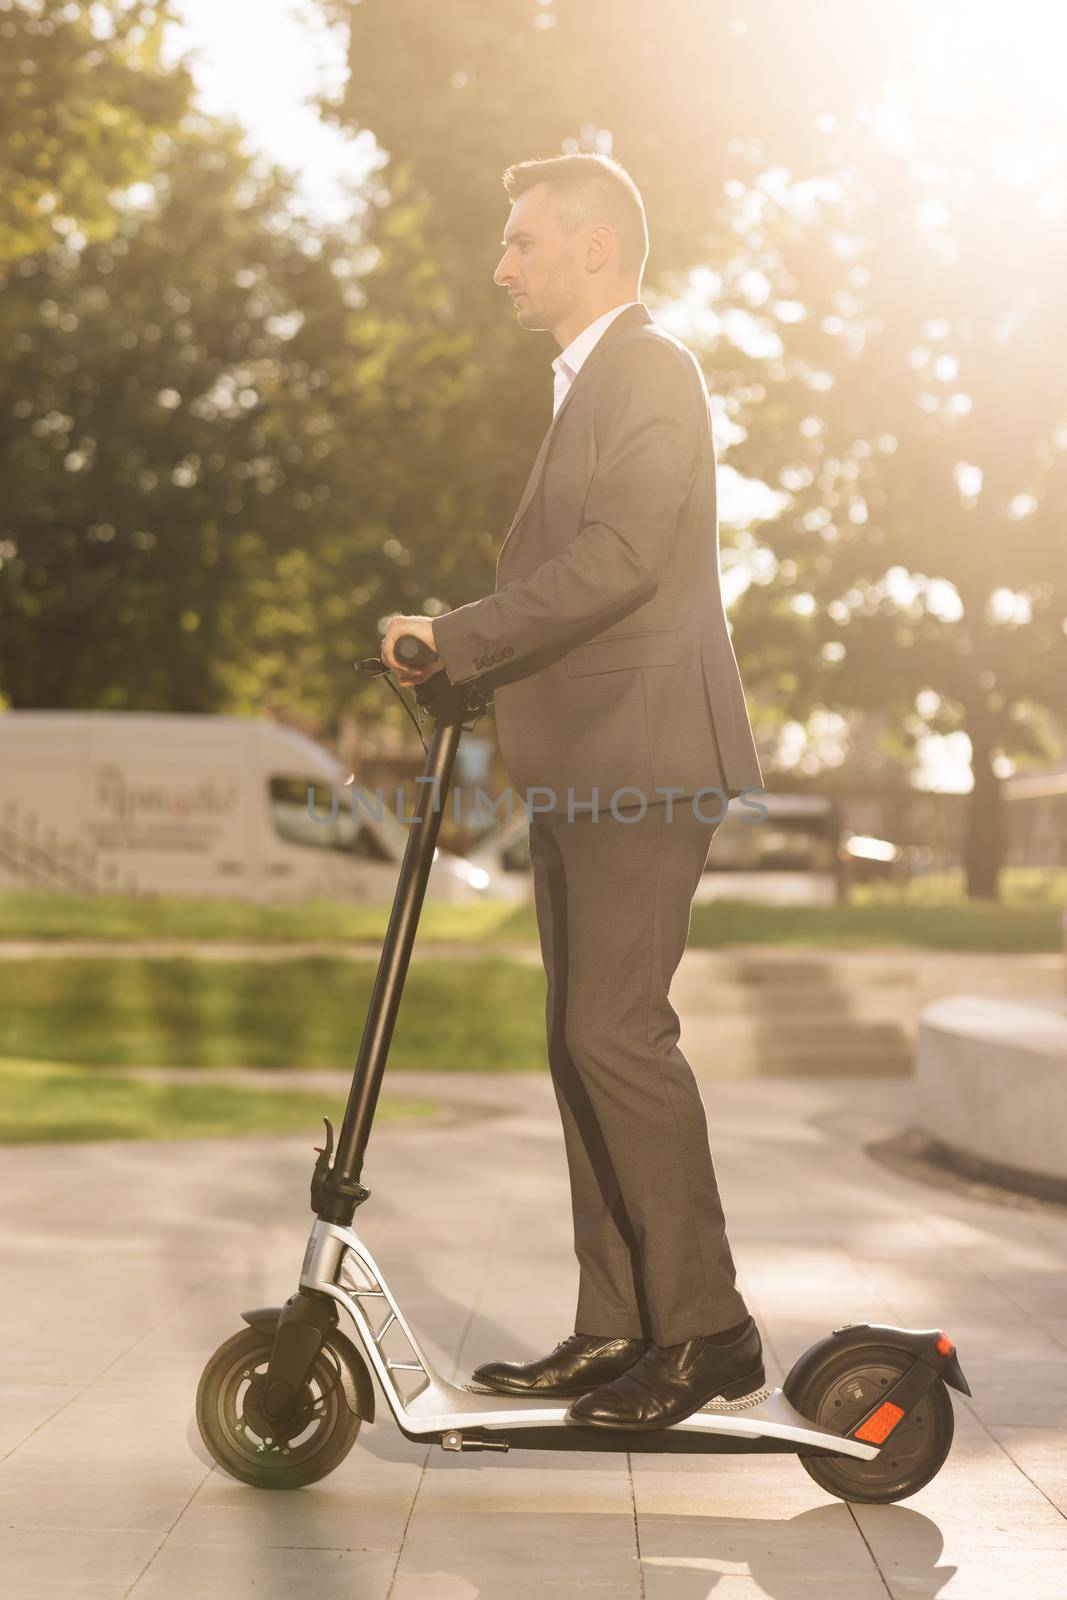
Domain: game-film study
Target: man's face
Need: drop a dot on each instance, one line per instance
(539, 267)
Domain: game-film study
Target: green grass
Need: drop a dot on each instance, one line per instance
(1018, 885)
(930, 913)
(53, 1101)
(1010, 927)
(49, 915)
(485, 1015)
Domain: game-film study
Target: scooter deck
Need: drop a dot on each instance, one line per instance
(473, 1418)
(337, 1263)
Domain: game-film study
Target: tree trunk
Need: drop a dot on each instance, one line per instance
(984, 849)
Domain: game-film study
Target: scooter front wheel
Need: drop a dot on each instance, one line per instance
(304, 1446)
(840, 1391)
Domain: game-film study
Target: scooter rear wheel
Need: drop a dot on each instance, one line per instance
(306, 1445)
(839, 1392)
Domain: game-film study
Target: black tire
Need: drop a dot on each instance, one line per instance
(312, 1442)
(838, 1393)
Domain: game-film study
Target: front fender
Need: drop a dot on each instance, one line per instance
(927, 1344)
(355, 1376)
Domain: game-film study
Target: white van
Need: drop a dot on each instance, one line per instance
(199, 806)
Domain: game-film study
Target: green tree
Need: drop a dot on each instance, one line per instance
(85, 107)
(916, 415)
(208, 442)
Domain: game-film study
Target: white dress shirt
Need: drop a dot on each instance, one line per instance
(568, 363)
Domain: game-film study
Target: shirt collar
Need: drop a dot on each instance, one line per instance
(569, 361)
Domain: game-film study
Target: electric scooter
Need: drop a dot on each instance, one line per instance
(281, 1403)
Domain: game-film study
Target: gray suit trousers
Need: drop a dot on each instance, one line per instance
(613, 901)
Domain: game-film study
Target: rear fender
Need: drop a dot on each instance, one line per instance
(928, 1344)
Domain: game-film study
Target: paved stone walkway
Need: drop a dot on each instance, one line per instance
(124, 1265)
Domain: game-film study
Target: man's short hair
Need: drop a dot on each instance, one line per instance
(588, 189)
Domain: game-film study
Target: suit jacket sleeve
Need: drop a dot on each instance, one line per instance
(648, 445)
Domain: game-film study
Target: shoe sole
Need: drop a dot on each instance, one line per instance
(532, 1394)
(729, 1391)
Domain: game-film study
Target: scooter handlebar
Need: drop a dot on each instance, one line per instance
(413, 652)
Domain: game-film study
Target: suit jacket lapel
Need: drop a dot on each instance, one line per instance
(632, 317)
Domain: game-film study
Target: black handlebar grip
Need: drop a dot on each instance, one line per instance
(411, 651)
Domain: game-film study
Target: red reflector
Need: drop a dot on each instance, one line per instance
(881, 1424)
(945, 1344)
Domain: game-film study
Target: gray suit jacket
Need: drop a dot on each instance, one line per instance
(606, 639)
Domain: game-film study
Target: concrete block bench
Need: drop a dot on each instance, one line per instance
(991, 1083)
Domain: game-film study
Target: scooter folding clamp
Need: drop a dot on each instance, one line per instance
(332, 1196)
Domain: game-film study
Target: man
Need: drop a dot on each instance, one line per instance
(620, 712)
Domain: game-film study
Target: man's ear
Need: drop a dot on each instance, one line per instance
(599, 246)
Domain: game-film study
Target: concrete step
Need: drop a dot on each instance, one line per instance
(788, 1005)
(767, 1012)
(785, 1033)
(715, 1049)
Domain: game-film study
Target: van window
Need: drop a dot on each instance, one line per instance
(785, 841)
(289, 808)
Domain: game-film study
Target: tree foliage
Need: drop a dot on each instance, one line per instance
(85, 105)
(212, 446)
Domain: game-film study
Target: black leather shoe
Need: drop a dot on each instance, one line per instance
(577, 1364)
(672, 1381)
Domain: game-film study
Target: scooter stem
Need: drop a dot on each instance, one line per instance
(340, 1190)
